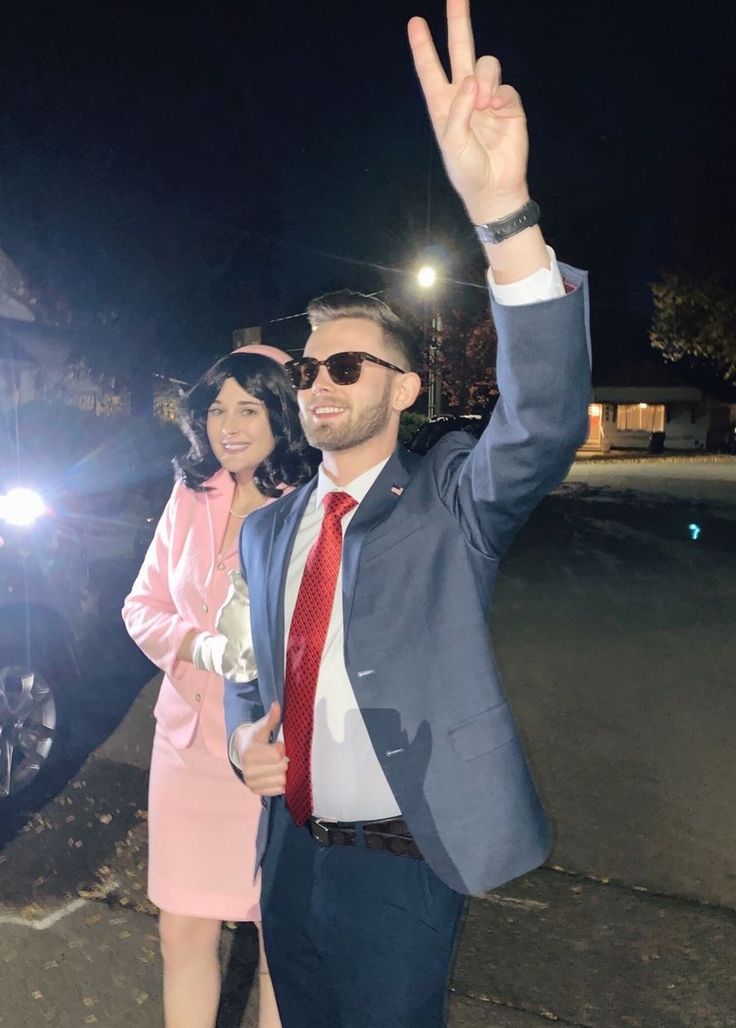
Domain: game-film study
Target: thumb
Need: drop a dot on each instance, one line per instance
(461, 109)
(506, 102)
(269, 722)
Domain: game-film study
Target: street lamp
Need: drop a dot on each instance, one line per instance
(426, 276)
(427, 279)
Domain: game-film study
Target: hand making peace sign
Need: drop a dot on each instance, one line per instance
(478, 122)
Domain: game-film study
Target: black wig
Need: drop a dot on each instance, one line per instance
(291, 462)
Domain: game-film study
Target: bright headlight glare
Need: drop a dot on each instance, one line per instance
(21, 507)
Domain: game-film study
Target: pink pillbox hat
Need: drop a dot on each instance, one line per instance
(263, 350)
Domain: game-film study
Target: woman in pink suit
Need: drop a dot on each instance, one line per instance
(246, 446)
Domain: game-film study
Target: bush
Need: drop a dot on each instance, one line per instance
(411, 422)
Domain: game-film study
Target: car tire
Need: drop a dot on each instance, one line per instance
(35, 687)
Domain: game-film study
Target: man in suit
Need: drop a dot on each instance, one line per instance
(396, 784)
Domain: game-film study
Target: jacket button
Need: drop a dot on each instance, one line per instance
(205, 608)
(220, 567)
(198, 696)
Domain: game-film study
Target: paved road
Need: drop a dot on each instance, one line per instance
(615, 633)
(707, 479)
(614, 630)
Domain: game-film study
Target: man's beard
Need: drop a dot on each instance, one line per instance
(333, 438)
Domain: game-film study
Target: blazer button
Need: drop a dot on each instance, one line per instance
(197, 697)
(220, 567)
(205, 608)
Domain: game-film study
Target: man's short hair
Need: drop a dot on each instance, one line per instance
(346, 303)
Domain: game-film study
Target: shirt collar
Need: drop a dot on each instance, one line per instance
(358, 488)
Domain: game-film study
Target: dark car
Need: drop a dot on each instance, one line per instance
(45, 600)
(51, 605)
(434, 429)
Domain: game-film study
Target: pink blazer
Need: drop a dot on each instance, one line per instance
(181, 586)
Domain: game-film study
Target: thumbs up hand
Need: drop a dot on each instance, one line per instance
(262, 761)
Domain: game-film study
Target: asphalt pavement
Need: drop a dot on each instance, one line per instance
(614, 629)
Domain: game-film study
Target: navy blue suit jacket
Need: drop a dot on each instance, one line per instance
(420, 559)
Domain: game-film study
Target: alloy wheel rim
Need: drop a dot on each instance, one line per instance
(28, 719)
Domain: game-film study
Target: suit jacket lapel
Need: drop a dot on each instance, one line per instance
(374, 508)
(283, 534)
(378, 503)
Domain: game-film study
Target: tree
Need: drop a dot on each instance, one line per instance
(467, 361)
(695, 318)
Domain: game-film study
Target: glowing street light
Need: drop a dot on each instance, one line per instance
(426, 276)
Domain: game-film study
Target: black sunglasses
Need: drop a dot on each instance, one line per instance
(343, 368)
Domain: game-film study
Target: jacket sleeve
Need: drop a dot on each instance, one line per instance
(149, 611)
(243, 703)
(243, 706)
(540, 419)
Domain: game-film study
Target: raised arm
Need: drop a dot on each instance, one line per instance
(541, 418)
(543, 361)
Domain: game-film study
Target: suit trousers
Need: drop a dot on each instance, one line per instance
(355, 938)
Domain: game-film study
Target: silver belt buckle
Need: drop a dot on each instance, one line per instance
(319, 832)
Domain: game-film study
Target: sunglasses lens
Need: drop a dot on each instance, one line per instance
(344, 368)
(302, 372)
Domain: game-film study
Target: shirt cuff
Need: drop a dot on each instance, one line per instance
(543, 284)
(232, 752)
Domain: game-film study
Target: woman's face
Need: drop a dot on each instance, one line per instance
(238, 429)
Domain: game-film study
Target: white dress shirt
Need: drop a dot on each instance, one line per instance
(544, 284)
(347, 781)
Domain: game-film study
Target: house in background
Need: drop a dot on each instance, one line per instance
(36, 359)
(632, 402)
(36, 363)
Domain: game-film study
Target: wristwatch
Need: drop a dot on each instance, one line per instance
(504, 228)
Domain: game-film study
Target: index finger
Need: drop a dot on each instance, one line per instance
(460, 40)
(428, 66)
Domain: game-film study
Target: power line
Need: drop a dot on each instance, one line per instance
(303, 314)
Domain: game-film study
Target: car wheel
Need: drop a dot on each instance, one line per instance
(32, 730)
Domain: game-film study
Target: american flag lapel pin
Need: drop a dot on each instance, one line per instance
(397, 490)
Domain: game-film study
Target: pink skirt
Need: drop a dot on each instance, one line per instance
(202, 825)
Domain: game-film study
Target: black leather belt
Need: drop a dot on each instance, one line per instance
(391, 835)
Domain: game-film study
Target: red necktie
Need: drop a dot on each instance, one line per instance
(307, 637)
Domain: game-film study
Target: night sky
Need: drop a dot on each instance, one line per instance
(182, 170)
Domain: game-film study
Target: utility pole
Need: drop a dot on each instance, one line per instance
(246, 336)
(434, 390)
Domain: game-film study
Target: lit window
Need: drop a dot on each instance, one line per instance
(640, 417)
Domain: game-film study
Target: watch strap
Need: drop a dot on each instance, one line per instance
(504, 228)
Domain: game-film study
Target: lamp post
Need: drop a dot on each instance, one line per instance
(427, 279)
